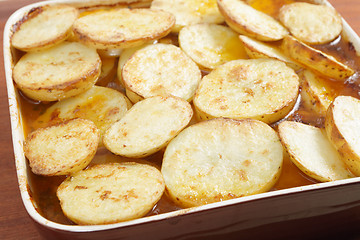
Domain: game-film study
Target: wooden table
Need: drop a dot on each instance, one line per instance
(14, 221)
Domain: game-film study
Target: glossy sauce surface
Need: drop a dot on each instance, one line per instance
(43, 189)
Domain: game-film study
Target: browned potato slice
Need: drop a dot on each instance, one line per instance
(312, 152)
(63, 148)
(343, 129)
(44, 27)
(123, 27)
(221, 159)
(257, 49)
(248, 21)
(314, 59)
(148, 126)
(56, 73)
(263, 89)
(189, 12)
(211, 45)
(108, 70)
(311, 23)
(316, 93)
(160, 70)
(110, 193)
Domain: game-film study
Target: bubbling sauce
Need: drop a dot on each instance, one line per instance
(43, 189)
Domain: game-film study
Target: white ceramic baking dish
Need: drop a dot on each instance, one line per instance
(283, 213)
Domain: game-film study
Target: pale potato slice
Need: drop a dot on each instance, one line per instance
(257, 49)
(316, 92)
(122, 27)
(148, 126)
(44, 27)
(189, 12)
(160, 69)
(248, 21)
(343, 129)
(221, 159)
(211, 45)
(101, 105)
(312, 152)
(110, 193)
(311, 23)
(262, 89)
(63, 148)
(63, 71)
(315, 59)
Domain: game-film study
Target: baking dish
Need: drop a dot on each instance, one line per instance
(257, 215)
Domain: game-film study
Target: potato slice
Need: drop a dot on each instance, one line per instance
(343, 129)
(101, 105)
(110, 193)
(63, 148)
(189, 12)
(311, 23)
(312, 152)
(315, 59)
(316, 93)
(160, 70)
(257, 49)
(248, 21)
(221, 159)
(211, 45)
(262, 89)
(122, 27)
(108, 70)
(63, 71)
(44, 27)
(148, 126)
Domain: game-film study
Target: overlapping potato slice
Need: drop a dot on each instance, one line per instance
(108, 70)
(44, 27)
(122, 27)
(110, 193)
(220, 159)
(315, 59)
(62, 71)
(248, 21)
(148, 126)
(312, 152)
(189, 12)
(211, 45)
(343, 129)
(101, 105)
(160, 69)
(63, 148)
(262, 89)
(311, 23)
(257, 49)
(316, 93)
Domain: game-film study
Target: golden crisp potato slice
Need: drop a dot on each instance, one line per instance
(160, 70)
(63, 148)
(101, 105)
(110, 193)
(44, 27)
(343, 129)
(148, 126)
(311, 23)
(122, 27)
(316, 92)
(108, 70)
(211, 45)
(189, 12)
(315, 59)
(62, 71)
(312, 152)
(248, 21)
(221, 159)
(257, 49)
(262, 89)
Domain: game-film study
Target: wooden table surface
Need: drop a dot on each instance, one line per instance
(14, 221)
